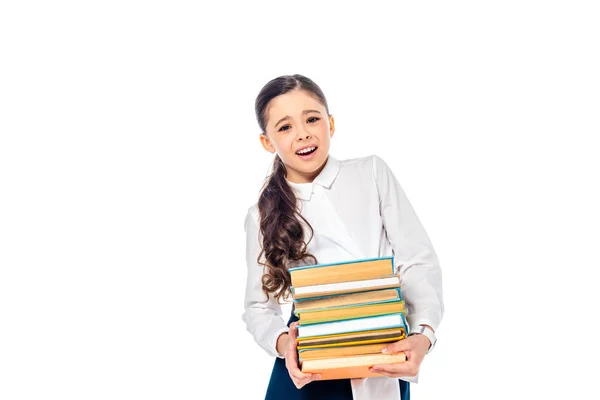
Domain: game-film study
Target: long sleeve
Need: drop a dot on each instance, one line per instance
(416, 260)
(261, 315)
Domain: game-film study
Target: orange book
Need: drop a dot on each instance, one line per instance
(349, 367)
(356, 270)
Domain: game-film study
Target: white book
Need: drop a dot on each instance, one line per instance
(346, 287)
(353, 325)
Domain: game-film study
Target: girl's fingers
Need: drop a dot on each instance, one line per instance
(298, 377)
(294, 370)
(399, 346)
(292, 365)
(297, 373)
(397, 369)
(302, 382)
(384, 373)
(294, 329)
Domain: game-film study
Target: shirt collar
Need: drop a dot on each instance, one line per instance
(325, 179)
(303, 190)
(328, 173)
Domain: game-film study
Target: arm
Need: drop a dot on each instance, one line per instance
(416, 260)
(417, 265)
(261, 315)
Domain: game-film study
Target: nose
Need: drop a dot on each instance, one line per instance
(303, 135)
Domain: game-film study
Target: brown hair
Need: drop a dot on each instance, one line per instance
(280, 220)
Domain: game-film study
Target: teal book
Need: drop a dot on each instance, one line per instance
(351, 312)
(387, 321)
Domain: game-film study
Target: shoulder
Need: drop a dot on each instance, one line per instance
(372, 164)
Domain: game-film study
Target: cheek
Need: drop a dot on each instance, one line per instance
(284, 143)
(324, 133)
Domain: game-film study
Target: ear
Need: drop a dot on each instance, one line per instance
(331, 126)
(266, 143)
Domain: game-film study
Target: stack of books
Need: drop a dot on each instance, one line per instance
(348, 312)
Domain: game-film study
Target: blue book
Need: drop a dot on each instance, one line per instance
(396, 320)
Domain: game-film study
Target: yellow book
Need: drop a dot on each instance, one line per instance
(373, 336)
(342, 351)
(349, 312)
(353, 342)
(374, 296)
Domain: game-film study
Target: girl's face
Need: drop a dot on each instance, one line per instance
(299, 130)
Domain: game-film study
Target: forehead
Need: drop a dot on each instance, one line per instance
(292, 104)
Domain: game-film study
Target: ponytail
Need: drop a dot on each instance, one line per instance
(282, 232)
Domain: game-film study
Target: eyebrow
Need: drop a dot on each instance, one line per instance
(288, 117)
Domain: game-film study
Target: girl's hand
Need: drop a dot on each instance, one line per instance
(291, 360)
(415, 347)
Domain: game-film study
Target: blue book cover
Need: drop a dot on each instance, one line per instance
(396, 320)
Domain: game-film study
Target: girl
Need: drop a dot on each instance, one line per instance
(315, 207)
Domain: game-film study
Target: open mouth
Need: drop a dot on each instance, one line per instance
(307, 151)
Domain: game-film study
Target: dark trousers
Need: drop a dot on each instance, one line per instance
(281, 386)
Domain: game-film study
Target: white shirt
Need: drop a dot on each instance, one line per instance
(357, 210)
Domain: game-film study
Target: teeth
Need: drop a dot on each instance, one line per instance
(308, 150)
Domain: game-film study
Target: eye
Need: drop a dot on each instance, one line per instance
(285, 128)
(313, 119)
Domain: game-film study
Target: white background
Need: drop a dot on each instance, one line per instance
(129, 155)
